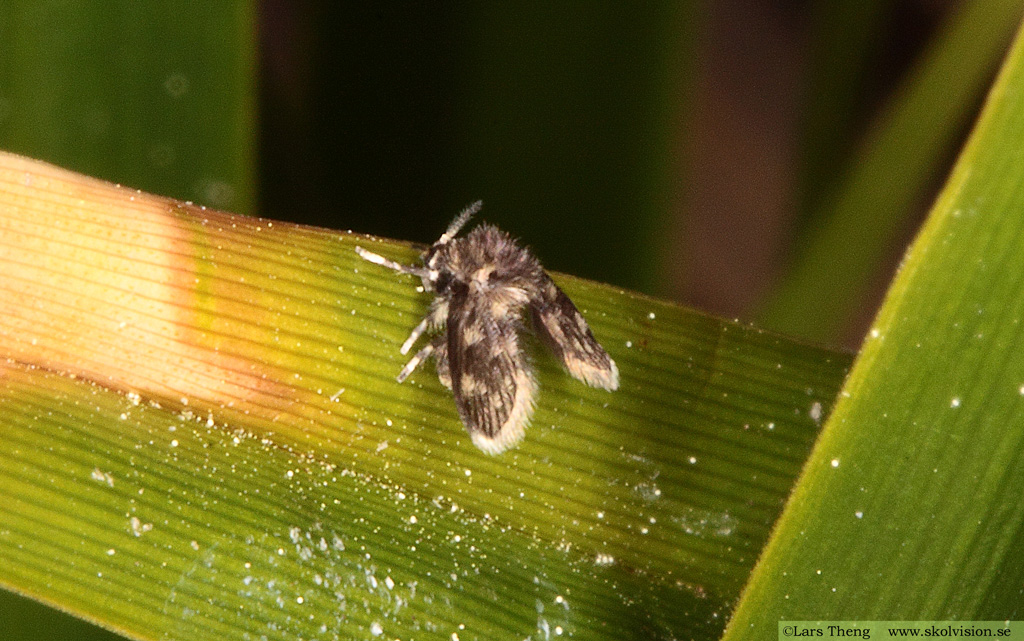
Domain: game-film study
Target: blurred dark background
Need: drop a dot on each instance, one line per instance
(389, 117)
(655, 146)
(683, 149)
(687, 150)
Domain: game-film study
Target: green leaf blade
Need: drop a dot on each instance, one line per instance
(249, 398)
(856, 219)
(161, 96)
(910, 506)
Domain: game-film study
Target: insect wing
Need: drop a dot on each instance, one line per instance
(492, 381)
(557, 321)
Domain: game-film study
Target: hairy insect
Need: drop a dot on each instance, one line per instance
(485, 284)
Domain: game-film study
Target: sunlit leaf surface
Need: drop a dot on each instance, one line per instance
(203, 438)
(912, 502)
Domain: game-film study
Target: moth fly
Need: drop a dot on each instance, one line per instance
(485, 284)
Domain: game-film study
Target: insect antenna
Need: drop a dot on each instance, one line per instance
(377, 259)
(459, 221)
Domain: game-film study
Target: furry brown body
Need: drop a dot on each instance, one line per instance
(485, 285)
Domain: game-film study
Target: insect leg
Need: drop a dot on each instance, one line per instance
(416, 333)
(415, 361)
(377, 259)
